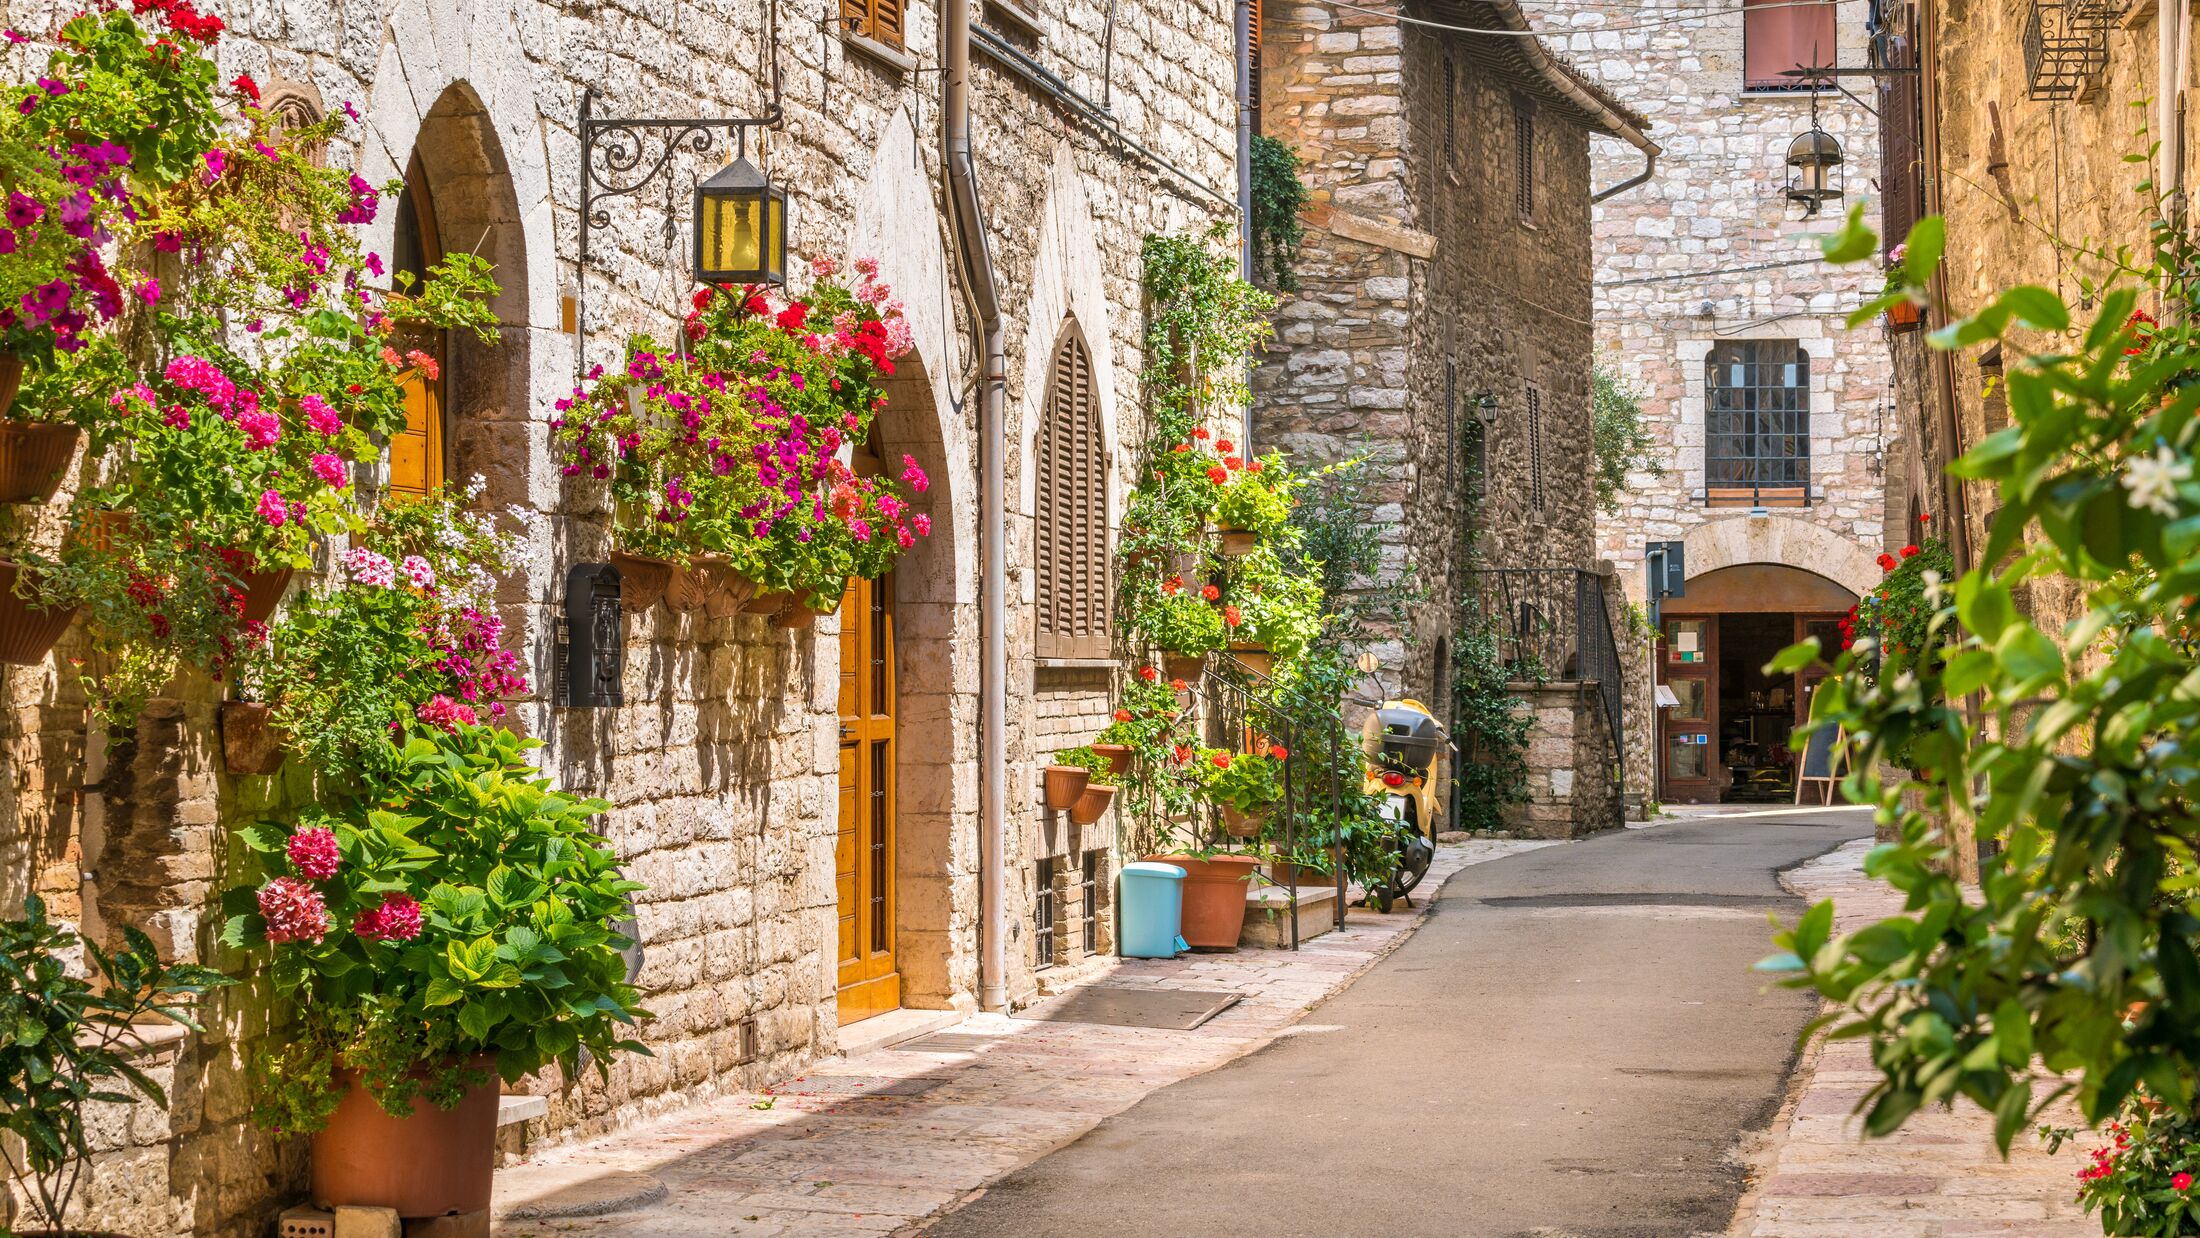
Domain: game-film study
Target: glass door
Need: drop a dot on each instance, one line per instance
(1688, 666)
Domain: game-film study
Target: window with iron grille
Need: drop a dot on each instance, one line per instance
(1524, 158)
(1535, 447)
(1089, 896)
(1757, 424)
(1072, 494)
(873, 19)
(1042, 914)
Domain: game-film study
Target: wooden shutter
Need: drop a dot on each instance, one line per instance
(1072, 517)
(1252, 59)
(1778, 35)
(873, 19)
(1524, 158)
(1901, 177)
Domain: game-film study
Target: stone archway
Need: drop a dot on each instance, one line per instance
(1784, 540)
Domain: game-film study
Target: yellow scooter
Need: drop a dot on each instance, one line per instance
(1403, 749)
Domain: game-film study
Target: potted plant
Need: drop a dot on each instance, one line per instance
(1903, 315)
(1096, 794)
(451, 925)
(1275, 613)
(1245, 786)
(1186, 625)
(1254, 504)
(69, 1045)
(1064, 781)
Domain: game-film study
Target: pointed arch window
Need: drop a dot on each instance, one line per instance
(1072, 515)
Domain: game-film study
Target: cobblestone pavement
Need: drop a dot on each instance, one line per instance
(879, 1143)
(1939, 1177)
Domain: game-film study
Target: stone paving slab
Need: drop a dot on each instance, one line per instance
(830, 1158)
(1939, 1177)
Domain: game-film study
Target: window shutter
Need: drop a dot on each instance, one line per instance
(855, 16)
(1524, 159)
(886, 21)
(1535, 448)
(1252, 84)
(1072, 516)
(1901, 181)
(1778, 35)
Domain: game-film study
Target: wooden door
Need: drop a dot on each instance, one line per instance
(864, 860)
(1688, 756)
(417, 451)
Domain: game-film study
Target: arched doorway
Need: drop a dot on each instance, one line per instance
(1723, 723)
(418, 464)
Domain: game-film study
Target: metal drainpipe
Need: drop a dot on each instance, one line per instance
(1561, 77)
(976, 253)
(1245, 133)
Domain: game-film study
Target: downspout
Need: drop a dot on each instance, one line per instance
(976, 253)
(1245, 136)
(1958, 529)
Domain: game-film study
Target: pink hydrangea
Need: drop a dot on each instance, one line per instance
(331, 471)
(369, 568)
(419, 571)
(441, 711)
(313, 852)
(260, 430)
(294, 911)
(272, 509)
(319, 416)
(396, 918)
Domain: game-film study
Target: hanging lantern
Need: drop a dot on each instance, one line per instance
(740, 228)
(1813, 159)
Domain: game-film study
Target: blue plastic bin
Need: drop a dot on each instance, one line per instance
(1150, 911)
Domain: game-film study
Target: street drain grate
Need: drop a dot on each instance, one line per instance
(948, 1042)
(1176, 1010)
(861, 1085)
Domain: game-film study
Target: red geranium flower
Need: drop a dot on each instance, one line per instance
(1211, 593)
(1220, 760)
(1122, 715)
(1278, 751)
(1908, 551)
(1218, 475)
(246, 86)
(1177, 685)
(1148, 674)
(1199, 432)
(1224, 447)
(1231, 616)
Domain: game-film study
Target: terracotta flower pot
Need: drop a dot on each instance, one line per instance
(11, 380)
(1093, 804)
(250, 742)
(1253, 658)
(1063, 784)
(1238, 543)
(263, 592)
(1187, 667)
(686, 590)
(766, 603)
(1214, 898)
(27, 633)
(436, 1162)
(1118, 755)
(1243, 824)
(642, 580)
(1904, 316)
(33, 457)
(795, 616)
(729, 590)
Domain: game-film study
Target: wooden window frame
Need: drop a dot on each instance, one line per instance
(1070, 508)
(1732, 477)
(1784, 22)
(881, 21)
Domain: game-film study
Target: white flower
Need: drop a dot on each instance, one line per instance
(2153, 479)
(369, 568)
(1934, 590)
(524, 515)
(474, 486)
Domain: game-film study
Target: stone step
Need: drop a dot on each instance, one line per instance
(1268, 912)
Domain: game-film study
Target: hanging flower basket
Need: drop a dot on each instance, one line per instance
(263, 592)
(687, 590)
(642, 580)
(767, 602)
(250, 742)
(1237, 543)
(1064, 785)
(1244, 824)
(11, 380)
(1092, 805)
(33, 457)
(1118, 755)
(27, 632)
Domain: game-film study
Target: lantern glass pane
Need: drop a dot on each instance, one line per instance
(731, 236)
(774, 237)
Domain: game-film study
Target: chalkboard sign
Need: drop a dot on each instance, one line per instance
(1826, 749)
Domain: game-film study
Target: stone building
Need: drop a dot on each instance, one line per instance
(1773, 420)
(1442, 328)
(2026, 155)
(1092, 128)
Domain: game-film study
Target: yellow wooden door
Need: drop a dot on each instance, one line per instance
(416, 452)
(864, 860)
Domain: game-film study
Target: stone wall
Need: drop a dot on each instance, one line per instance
(722, 766)
(1570, 788)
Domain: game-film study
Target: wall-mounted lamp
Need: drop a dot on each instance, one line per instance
(1485, 407)
(740, 227)
(592, 672)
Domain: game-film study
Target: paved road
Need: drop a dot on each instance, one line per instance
(1569, 1048)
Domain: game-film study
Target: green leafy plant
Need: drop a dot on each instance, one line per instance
(1257, 497)
(2075, 951)
(1250, 782)
(1084, 758)
(1490, 725)
(1150, 720)
(1278, 197)
(2141, 1181)
(1182, 622)
(462, 907)
(67, 1044)
(1278, 606)
(1620, 435)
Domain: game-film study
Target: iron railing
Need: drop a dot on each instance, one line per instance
(2064, 44)
(1552, 625)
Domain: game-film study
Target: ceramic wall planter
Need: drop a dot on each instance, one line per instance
(1243, 824)
(1187, 667)
(436, 1162)
(263, 592)
(1093, 804)
(642, 580)
(33, 457)
(1238, 543)
(687, 589)
(729, 590)
(1063, 784)
(250, 742)
(1253, 658)
(27, 632)
(1118, 755)
(1214, 897)
(795, 616)
(1904, 317)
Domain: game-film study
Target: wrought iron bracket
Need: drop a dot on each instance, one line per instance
(621, 156)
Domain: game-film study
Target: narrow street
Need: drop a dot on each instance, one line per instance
(1570, 1046)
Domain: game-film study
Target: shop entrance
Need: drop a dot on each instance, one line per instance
(1724, 737)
